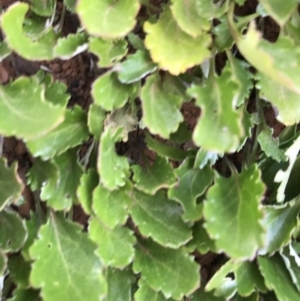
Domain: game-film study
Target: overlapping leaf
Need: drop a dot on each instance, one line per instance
(191, 184)
(43, 8)
(172, 271)
(150, 179)
(19, 270)
(57, 251)
(96, 118)
(171, 48)
(12, 26)
(108, 18)
(159, 218)
(11, 185)
(21, 294)
(24, 102)
(3, 262)
(13, 231)
(70, 133)
(219, 128)
(115, 246)
(237, 227)
(161, 112)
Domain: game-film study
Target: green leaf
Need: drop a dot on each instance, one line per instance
(192, 184)
(5, 51)
(277, 278)
(115, 246)
(253, 297)
(236, 228)
(61, 194)
(278, 10)
(159, 218)
(135, 67)
(200, 294)
(292, 263)
(88, 183)
(13, 231)
(145, 292)
(19, 270)
(161, 110)
(112, 206)
(57, 250)
(262, 55)
(204, 157)
(249, 278)
(219, 128)
(96, 118)
(285, 100)
(113, 169)
(71, 45)
(172, 271)
(150, 179)
(270, 145)
(108, 51)
(44, 8)
(24, 102)
(279, 222)
(165, 150)
(283, 176)
(109, 93)
(201, 240)
(188, 18)
(108, 18)
(41, 172)
(21, 294)
(3, 262)
(12, 25)
(171, 48)
(72, 132)
(119, 284)
(70, 4)
(11, 185)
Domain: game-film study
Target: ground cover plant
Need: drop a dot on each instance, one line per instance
(149, 150)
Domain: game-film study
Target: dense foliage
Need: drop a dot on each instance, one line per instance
(222, 188)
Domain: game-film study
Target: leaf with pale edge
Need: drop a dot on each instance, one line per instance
(279, 221)
(108, 51)
(108, 18)
(113, 169)
(277, 278)
(150, 179)
(283, 176)
(44, 8)
(61, 194)
(267, 57)
(292, 263)
(135, 67)
(173, 272)
(88, 183)
(71, 45)
(111, 207)
(236, 228)
(279, 10)
(61, 243)
(24, 102)
(283, 99)
(11, 185)
(191, 184)
(13, 232)
(21, 294)
(171, 48)
(115, 246)
(70, 133)
(204, 158)
(219, 128)
(3, 262)
(96, 118)
(12, 26)
(119, 284)
(158, 217)
(145, 292)
(161, 110)
(109, 93)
